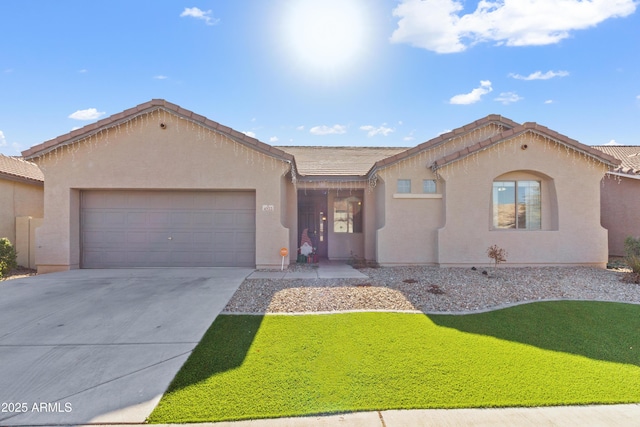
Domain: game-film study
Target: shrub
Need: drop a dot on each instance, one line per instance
(632, 258)
(497, 254)
(7, 257)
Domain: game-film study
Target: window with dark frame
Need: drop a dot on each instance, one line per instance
(347, 215)
(516, 205)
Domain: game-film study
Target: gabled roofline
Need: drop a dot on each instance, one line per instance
(521, 129)
(443, 138)
(145, 108)
(18, 178)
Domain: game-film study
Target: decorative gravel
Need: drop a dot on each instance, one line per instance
(432, 290)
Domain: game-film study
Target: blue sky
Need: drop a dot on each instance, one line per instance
(331, 72)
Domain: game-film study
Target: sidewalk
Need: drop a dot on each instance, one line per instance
(325, 270)
(556, 416)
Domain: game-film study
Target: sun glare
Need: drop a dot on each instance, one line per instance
(326, 37)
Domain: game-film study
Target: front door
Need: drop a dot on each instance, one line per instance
(312, 216)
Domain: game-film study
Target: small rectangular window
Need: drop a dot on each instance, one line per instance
(404, 186)
(429, 186)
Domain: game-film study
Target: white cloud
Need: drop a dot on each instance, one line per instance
(3, 140)
(638, 97)
(300, 128)
(83, 71)
(75, 128)
(160, 77)
(194, 12)
(539, 75)
(249, 133)
(507, 98)
(612, 142)
(549, 101)
(380, 130)
(274, 139)
(88, 114)
(473, 96)
(439, 26)
(326, 130)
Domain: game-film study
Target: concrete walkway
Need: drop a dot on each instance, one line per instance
(323, 270)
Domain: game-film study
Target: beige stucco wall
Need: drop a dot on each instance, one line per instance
(576, 239)
(140, 155)
(408, 234)
(620, 210)
(18, 199)
(454, 228)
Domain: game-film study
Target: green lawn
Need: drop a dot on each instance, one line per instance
(551, 353)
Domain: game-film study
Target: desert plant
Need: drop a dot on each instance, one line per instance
(8, 257)
(632, 258)
(497, 254)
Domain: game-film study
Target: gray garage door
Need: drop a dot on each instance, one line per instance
(122, 229)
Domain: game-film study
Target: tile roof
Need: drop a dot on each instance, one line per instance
(520, 129)
(629, 155)
(145, 108)
(338, 161)
(19, 169)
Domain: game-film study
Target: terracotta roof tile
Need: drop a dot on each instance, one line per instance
(15, 167)
(629, 156)
(338, 161)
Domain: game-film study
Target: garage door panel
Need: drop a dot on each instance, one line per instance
(245, 220)
(245, 240)
(167, 228)
(224, 219)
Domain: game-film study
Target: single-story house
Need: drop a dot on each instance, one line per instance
(21, 201)
(621, 196)
(159, 185)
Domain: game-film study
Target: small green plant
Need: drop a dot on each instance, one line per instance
(497, 254)
(7, 257)
(632, 258)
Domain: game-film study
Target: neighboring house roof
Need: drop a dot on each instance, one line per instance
(18, 169)
(145, 108)
(520, 129)
(338, 161)
(629, 155)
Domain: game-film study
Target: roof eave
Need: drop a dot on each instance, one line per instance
(604, 158)
(442, 139)
(148, 107)
(22, 179)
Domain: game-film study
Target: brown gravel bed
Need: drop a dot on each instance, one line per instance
(432, 289)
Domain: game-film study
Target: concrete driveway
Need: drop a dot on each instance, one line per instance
(101, 345)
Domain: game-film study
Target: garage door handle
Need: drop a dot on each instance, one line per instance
(170, 238)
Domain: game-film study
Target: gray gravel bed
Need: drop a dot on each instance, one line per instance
(432, 289)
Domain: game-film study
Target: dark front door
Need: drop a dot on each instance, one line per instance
(312, 216)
